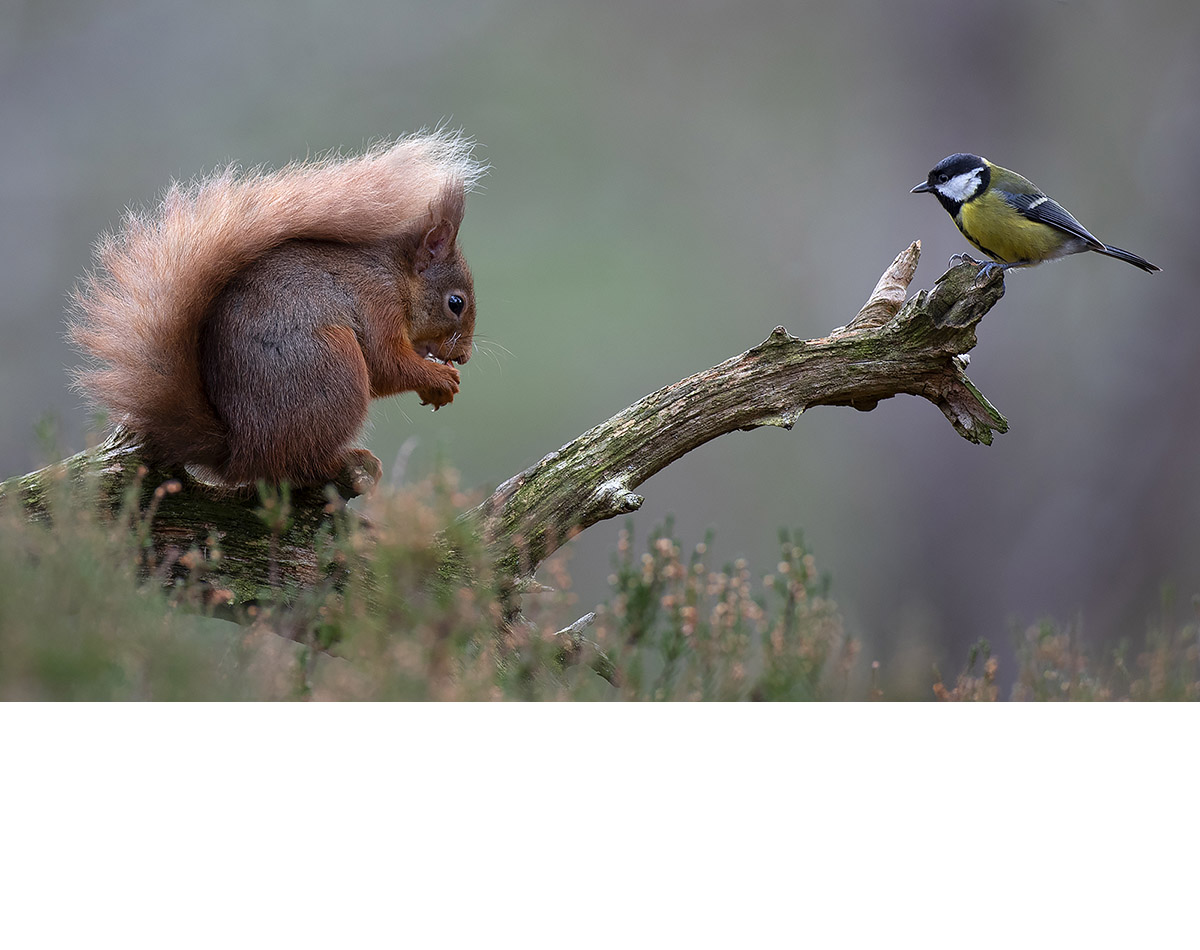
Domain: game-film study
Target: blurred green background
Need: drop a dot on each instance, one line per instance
(671, 181)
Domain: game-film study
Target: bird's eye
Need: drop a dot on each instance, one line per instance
(943, 178)
(457, 304)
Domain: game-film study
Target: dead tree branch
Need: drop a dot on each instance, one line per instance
(893, 346)
(266, 545)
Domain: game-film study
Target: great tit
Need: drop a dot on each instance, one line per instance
(1010, 218)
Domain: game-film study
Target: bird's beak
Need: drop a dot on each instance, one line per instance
(924, 186)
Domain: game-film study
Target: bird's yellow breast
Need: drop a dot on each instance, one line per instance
(996, 228)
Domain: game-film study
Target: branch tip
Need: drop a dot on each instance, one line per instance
(890, 292)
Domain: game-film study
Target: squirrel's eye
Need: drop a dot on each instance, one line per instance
(457, 304)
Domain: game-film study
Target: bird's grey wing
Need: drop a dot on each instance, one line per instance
(1037, 207)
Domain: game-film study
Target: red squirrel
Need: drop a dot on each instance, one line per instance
(242, 328)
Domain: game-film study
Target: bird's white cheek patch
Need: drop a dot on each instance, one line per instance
(961, 187)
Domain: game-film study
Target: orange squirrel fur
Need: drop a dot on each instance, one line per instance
(242, 328)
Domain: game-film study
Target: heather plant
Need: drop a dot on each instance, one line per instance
(77, 622)
(676, 629)
(1052, 664)
(411, 612)
(977, 683)
(1055, 663)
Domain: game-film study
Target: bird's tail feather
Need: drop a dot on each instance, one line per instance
(1133, 259)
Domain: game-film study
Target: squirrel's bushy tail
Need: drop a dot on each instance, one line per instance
(138, 313)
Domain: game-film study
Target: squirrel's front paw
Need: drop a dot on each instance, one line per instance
(444, 388)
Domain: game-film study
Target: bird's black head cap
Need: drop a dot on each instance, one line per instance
(950, 168)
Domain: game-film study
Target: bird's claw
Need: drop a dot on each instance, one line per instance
(989, 268)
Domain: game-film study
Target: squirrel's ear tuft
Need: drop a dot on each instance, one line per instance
(440, 227)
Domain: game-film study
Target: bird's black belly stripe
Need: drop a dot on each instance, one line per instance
(992, 254)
